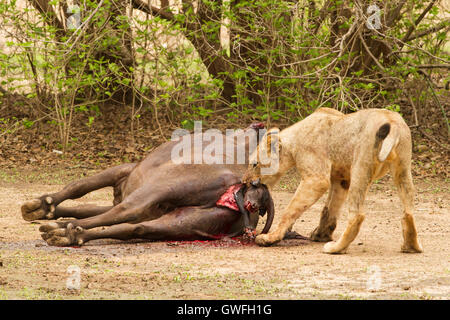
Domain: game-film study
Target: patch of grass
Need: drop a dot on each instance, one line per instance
(344, 296)
(40, 293)
(47, 176)
(3, 295)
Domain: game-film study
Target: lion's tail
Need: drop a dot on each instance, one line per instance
(388, 137)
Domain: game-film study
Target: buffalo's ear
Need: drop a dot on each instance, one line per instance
(239, 197)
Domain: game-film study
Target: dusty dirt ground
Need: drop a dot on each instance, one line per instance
(373, 268)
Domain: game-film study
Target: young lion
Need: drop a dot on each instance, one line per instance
(343, 153)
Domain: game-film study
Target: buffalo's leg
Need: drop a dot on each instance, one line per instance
(138, 206)
(45, 206)
(122, 213)
(150, 202)
(80, 212)
(187, 223)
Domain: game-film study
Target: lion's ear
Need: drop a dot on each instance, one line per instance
(273, 142)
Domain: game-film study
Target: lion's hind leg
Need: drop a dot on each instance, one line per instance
(361, 177)
(330, 213)
(401, 172)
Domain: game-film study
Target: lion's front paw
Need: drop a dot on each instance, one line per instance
(333, 247)
(264, 240)
(416, 248)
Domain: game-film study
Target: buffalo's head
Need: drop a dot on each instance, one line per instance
(256, 199)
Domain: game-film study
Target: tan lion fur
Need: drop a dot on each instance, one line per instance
(343, 154)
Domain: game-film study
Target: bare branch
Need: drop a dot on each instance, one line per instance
(418, 20)
(439, 27)
(3, 91)
(433, 139)
(46, 9)
(434, 66)
(370, 53)
(394, 14)
(154, 11)
(82, 26)
(164, 4)
(322, 16)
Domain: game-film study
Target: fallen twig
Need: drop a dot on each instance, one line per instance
(433, 139)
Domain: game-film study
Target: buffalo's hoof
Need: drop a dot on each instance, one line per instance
(49, 226)
(63, 237)
(249, 235)
(38, 209)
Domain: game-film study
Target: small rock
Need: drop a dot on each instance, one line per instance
(171, 244)
(422, 147)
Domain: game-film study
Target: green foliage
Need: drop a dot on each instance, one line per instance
(27, 123)
(393, 107)
(283, 59)
(187, 124)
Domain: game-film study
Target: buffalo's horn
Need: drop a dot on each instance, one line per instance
(270, 207)
(256, 182)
